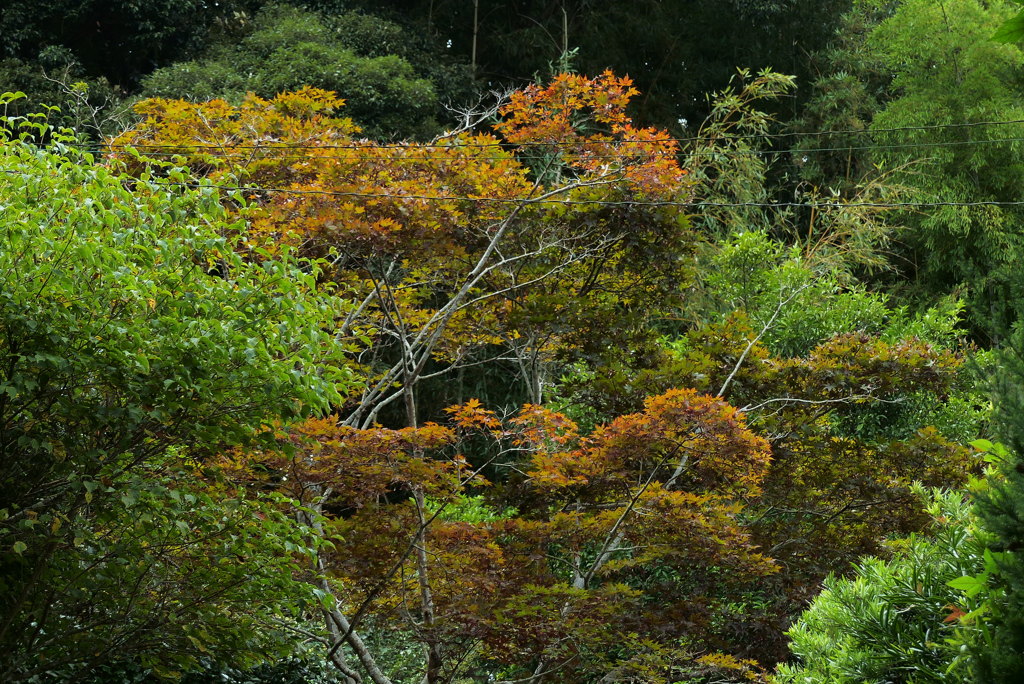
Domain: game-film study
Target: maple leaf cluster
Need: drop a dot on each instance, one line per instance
(521, 537)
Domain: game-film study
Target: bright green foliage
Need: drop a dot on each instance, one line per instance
(896, 620)
(782, 293)
(470, 509)
(1012, 30)
(726, 156)
(89, 105)
(799, 302)
(148, 565)
(288, 48)
(947, 72)
(133, 343)
(796, 305)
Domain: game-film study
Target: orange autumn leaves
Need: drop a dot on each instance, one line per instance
(563, 496)
(566, 175)
(560, 222)
(702, 433)
(682, 439)
(583, 121)
(328, 186)
(414, 197)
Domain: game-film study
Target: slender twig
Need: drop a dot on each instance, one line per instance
(750, 345)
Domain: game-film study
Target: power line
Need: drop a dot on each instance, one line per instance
(229, 153)
(640, 203)
(549, 201)
(370, 145)
(951, 143)
(384, 157)
(895, 129)
(451, 142)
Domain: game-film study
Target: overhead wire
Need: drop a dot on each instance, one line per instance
(254, 189)
(238, 152)
(452, 142)
(631, 203)
(230, 152)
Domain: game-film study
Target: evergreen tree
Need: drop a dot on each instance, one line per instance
(1001, 509)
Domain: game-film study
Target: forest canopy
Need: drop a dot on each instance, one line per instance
(439, 343)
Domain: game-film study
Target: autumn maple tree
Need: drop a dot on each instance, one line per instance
(847, 443)
(460, 253)
(520, 541)
(462, 250)
(564, 570)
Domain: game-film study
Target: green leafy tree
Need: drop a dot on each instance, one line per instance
(285, 48)
(1012, 30)
(926, 69)
(89, 105)
(947, 72)
(134, 342)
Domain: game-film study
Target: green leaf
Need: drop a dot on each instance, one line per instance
(1012, 31)
(971, 586)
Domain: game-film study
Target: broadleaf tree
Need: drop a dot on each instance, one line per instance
(136, 344)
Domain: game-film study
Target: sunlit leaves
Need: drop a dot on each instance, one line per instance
(135, 342)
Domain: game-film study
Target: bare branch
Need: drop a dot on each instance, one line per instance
(483, 110)
(766, 328)
(841, 400)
